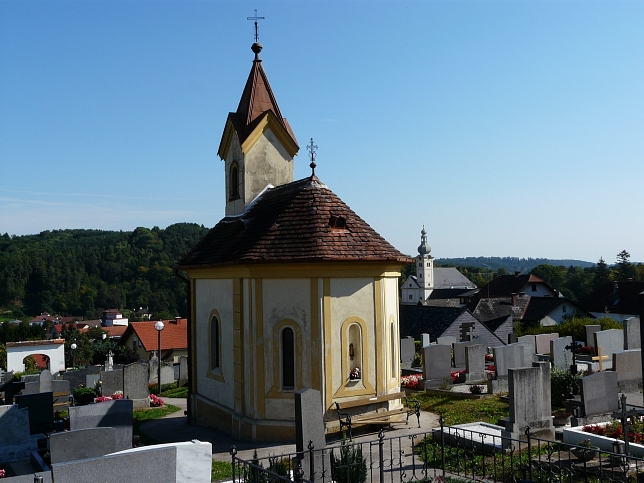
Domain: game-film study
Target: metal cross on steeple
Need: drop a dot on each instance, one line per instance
(312, 149)
(256, 18)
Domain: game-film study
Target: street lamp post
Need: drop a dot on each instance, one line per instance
(73, 346)
(159, 327)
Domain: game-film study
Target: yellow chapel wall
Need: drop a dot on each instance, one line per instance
(267, 162)
(391, 333)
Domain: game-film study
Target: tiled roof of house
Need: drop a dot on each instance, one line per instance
(615, 297)
(450, 277)
(418, 319)
(486, 309)
(506, 285)
(494, 324)
(299, 221)
(173, 336)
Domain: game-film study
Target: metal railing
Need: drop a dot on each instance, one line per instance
(446, 454)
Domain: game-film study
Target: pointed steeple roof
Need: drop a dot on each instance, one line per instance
(257, 107)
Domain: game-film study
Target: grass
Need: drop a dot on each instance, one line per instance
(460, 411)
(175, 392)
(142, 415)
(221, 470)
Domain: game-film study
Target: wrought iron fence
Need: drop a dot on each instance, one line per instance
(444, 455)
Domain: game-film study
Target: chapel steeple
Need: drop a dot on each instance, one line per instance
(258, 145)
(425, 266)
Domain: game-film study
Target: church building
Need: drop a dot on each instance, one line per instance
(290, 290)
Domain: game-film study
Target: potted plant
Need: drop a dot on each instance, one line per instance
(584, 450)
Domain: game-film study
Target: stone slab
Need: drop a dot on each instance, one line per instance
(560, 356)
(590, 334)
(81, 444)
(512, 356)
(154, 465)
(459, 352)
(91, 380)
(512, 338)
(446, 340)
(309, 426)
(76, 378)
(111, 381)
(599, 393)
(610, 341)
(531, 340)
(632, 333)
(135, 381)
(14, 422)
(167, 375)
(45, 381)
(183, 368)
(115, 414)
(41, 410)
(543, 342)
(475, 364)
(407, 352)
(424, 340)
(437, 362)
(31, 388)
(628, 366)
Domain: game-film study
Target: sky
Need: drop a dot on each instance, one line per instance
(506, 128)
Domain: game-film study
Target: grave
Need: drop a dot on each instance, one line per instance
(309, 426)
(590, 334)
(60, 389)
(45, 381)
(15, 441)
(81, 444)
(542, 342)
(475, 364)
(446, 340)
(628, 366)
(531, 340)
(31, 388)
(560, 353)
(407, 352)
(632, 333)
(135, 384)
(91, 380)
(459, 352)
(512, 356)
(483, 437)
(112, 414)
(183, 370)
(529, 396)
(167, 375)
(153, 365)
(111, 381)
(150, 464)
(437, 365)
(512, 338)
(41, 411)
(76, 378)
(424, 339)
(598, 398)
(610, 341)
(11, 388)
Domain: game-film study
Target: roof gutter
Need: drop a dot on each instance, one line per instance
(189, 317)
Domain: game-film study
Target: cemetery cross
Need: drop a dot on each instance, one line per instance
(623, 415)
(601, 358)
(574, 348)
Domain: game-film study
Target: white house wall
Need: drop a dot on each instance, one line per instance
(55, 352)
(215, 294)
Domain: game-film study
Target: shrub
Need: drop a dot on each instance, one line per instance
(476, 389)
(84, 395)
(350, 466)
(562, 382)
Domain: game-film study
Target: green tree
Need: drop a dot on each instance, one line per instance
(30, 364)
(602, 274)
(3, 356)
(625, 269)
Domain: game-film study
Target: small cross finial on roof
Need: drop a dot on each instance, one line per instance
(256, 18)
(312, 149)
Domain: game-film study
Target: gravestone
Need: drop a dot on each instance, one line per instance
(111, 381)
(76, 378)
(81, 444)
(91, 380)
(543, 342)
(309, 426)
(153, 366)
(446, 340)
(31, 378)
(459, 352)
(45, 381)
(560, 356)
(628, 366)
(529, 397)
(31, 388)
(512, 356)
(475, 364)
(599, 393)
(60, 389)
(183, 369)
(109, 362)
(158, 465)
(531, 340)
(135, 384)
(437, 365)
(15, 440)
(110, 414)
(590, 334)
(512, 338)
(11, 388)
(424, 339)
(610, 341)
(167, 375)
(632, 333)
(41, 410)
(407, 352)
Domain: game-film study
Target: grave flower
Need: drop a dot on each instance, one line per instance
(155, 401)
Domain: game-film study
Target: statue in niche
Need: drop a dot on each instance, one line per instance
(352, 352)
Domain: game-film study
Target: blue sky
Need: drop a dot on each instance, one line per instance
(507, 128)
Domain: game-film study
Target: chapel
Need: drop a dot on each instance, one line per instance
(291, 290)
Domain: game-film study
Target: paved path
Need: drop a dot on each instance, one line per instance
(174, 428)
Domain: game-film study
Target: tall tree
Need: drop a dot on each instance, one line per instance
(602, 274)
(625, 269)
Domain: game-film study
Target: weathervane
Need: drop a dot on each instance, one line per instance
(256, 18)
(312, 149)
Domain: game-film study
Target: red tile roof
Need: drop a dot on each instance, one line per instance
(506, 285)
(293, 223)
(173, 336)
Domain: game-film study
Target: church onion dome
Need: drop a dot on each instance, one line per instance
(302, 221)
(257, 107)
(424, 248)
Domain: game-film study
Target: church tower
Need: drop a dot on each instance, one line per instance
(425, 267)
(258, 145)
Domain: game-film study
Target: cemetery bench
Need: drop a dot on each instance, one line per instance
(381, 417)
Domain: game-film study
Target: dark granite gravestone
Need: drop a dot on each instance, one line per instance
(60, 388)
(82, 444)
(135, 384)
(590, 333)
(632, 333)
(75, 378)
(31, 388)
(111, 381)
(112, 414)
(15, 426)
(10, 389)
(309, 426)
(45, 381)
(30, 378)
(512, 338)
(41, 411)
(158, 465)
(30, 478)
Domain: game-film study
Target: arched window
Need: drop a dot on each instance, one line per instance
(392, 337)
(234, 182)
(288, 358)
(214, 344)
(355, 351)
